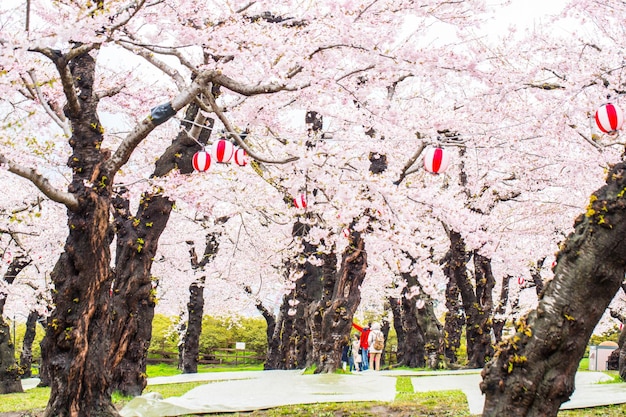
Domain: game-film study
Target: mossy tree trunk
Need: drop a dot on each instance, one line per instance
(532, 373)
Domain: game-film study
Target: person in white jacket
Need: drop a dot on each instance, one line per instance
(375, 338)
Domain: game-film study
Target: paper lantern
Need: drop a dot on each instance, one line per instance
(223, 151)
(240, 157)
(436, 160)
(609, 118)
(521, 280)
(201, 161)
(300, 201)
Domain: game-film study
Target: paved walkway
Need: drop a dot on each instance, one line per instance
(253, 390)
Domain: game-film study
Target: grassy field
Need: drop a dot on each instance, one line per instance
(407, 403)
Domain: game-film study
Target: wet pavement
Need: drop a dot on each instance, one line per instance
(253, 390)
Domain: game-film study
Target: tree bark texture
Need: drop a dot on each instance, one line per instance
(191, 340)
(413, 351)
(478, 311)
(26, 355)
(145, 226)
(532, 373)
(315, 319)
(454, 316)
(335, 311)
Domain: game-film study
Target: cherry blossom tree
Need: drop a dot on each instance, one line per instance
(77, 83)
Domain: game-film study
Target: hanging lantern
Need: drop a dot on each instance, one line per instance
(223, 151)
(300, 201)
(240, 157)
(609, 118)
(436, 160)
(521, 280)
(201, 161)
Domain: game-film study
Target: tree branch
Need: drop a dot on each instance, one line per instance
(232, 133)
(41, 182)
(405, 171)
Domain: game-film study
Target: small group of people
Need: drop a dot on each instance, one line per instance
(365, 348)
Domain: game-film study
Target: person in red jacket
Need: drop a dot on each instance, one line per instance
(364, 343)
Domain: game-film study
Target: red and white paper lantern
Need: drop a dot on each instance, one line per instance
(300, 201)
(240, 157)
(223, 150)
(521, 280)
(436, 160)
(201, 161)
(609, 118)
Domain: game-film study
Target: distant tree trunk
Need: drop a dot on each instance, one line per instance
(533, 373)
(395, 304)
(334, 312)
(499, 318)
(191, 340)
(26, 356)
(270, 330)
(621, 364)
(478, 311)
(9, 370)
(455, 263)
(433, 333)
(413, 354)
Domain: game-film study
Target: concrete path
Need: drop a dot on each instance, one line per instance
(589, 393)
(253, 390)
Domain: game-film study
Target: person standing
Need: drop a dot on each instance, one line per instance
(376, 343)
(364, 343)
(355, 355)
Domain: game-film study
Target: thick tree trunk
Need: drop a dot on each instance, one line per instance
(26, 356)
(337, 308)
(132, 290)
(146, 225)
(532, 373)
(87, 335)
(191, 340)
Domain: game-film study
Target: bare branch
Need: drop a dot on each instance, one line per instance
(232, 133)
(148, 54)
(405, 171)
(59, 119)
(41, 182)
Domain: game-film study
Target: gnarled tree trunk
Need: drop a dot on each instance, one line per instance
(191, 340)
(26, 355)
(146, 225)
(335, 311)
(532, 373)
